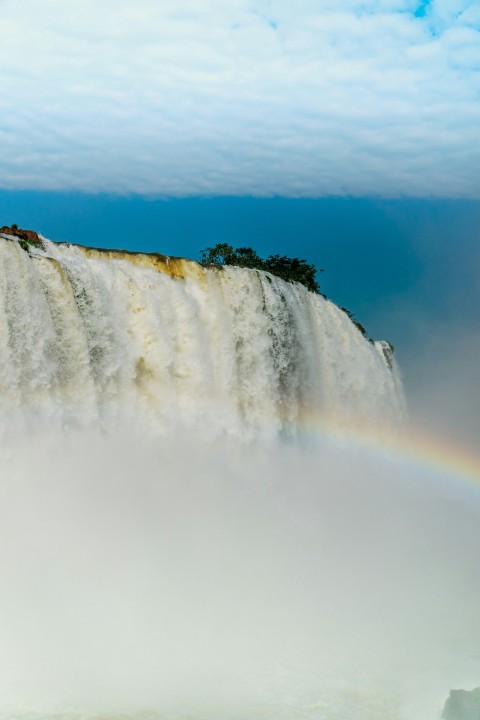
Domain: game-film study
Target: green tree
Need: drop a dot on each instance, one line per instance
(289, 269)
(221, 254)
(248, 258)
(294, 269)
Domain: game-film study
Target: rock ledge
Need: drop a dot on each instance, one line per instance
(462, 705)
(28, 236)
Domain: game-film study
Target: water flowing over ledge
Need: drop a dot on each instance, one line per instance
(99, 338)
(151, 575)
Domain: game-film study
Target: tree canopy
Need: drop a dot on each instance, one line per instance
(287, 268)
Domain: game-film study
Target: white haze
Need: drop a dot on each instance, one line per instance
(182, 579)
(446, 385)
(178, 536)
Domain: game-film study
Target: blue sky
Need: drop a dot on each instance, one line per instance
(345, 132)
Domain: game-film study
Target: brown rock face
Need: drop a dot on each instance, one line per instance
(28, 235)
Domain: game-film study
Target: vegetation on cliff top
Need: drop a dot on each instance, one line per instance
(287, 268)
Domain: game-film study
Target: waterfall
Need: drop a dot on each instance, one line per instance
(150, 574)
(93, 338)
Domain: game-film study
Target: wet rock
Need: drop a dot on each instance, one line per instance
(388, 350)
(29, 236)
(462, 705)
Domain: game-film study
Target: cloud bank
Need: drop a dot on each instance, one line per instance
(262, 97)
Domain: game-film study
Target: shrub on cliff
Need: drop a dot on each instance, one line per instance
(287, 268)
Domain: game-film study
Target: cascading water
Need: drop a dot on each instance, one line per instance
(167, 548)
(100, 338)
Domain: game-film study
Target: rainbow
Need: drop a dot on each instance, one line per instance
(440, 460)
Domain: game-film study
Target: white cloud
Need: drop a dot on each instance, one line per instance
(247, 97)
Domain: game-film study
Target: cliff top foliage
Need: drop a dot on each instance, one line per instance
(287, 268)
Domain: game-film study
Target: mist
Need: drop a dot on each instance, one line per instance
(444, 381)
(183, 578)
(210, 506)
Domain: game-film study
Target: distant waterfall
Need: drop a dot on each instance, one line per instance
(92, 338)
